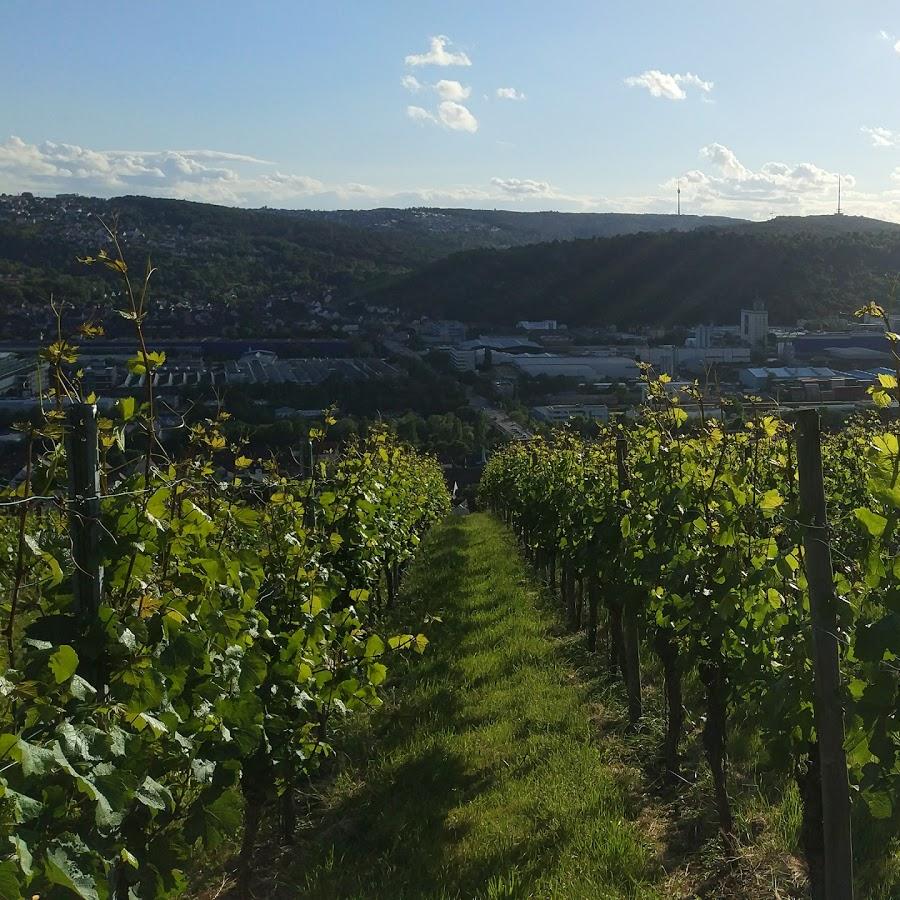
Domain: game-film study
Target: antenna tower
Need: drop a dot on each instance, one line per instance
(679, 198)
(839, 196)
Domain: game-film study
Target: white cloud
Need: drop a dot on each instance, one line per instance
(774, 179)
(216, 154)
(236, 180)
(730, 187)
(897, 47)
(293, 184)
(658, 83)
(517, 193)
(724, 185)
(726, 161)
(438, 55)
(114, 169)
(885, 36)
(522, 187)
(696, 81)
(670, 87)
(452, 90)
(418, 114)
(457, 117)
(450, 114)
(882, 137)
(509, 93)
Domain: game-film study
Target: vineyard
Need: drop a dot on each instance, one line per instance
(182, 636)
(185, 637)
(704, 550)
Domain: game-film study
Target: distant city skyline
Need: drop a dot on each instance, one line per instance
(756, 110)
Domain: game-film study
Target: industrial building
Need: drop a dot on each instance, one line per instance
(594, 412)
(468, 355)
(864, 344)
(541, 325)
(811, 384)
(255, 369)
(672, 359)
(755, 325)
(441, 332)
(20, 376)
(592, 368)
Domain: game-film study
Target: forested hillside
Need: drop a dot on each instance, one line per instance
(462, 229)
(663, 278)
(270, 251)
(205, 250)
(268, 267)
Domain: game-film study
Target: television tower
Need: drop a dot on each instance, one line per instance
(839, 197)
(678, 192)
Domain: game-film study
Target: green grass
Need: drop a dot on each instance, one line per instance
(482, 777)
(502, 766)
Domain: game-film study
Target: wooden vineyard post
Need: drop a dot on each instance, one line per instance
(84, 530)
(630, 635)
(829, 712)
(593, 593)
(569, 589)
(312, 513)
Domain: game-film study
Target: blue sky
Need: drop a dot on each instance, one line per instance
(569, 104)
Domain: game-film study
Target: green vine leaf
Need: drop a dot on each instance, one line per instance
(63, 663)
(68, 863)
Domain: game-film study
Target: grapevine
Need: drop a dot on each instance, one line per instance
(689, 534)
(240, 617)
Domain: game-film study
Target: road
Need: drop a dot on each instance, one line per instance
(504, 424)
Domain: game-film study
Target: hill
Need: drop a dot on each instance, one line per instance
(821, 225)
(233, 271)
(223, 270)
(258, 272)
(461, 229)
(667, 278)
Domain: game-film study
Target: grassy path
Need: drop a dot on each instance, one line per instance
(482, 777)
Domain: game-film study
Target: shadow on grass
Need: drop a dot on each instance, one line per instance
(478, 778)
(392, 835)
(680, 812)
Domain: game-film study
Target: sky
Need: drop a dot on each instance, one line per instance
(755, 108)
